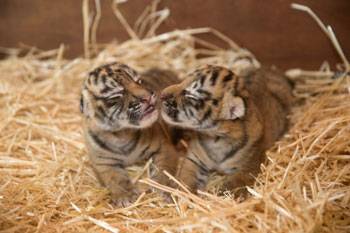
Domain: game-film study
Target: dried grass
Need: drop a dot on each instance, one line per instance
(47, 185)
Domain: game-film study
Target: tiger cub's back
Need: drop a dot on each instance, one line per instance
(272, 93)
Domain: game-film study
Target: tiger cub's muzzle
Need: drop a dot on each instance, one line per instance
(143, 107)
(149, 105)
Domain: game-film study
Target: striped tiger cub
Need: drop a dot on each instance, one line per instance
(231, 120)
(121, 126)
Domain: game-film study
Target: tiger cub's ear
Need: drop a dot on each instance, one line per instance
(233, 107)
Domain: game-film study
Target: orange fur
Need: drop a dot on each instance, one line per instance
(232, 121)
(121, 126)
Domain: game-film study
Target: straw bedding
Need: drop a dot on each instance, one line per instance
(47, 185)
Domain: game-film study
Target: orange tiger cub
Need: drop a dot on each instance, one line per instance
(121, 126)
(231, 120)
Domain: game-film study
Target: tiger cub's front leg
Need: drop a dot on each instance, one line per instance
(245, 174)
(193, 174)
(116, 179)
(166, 160)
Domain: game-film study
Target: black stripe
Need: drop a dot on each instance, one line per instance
(124, 74)
(206, 94)
(89, 80)
(144, 150)
(95, 72)
(231, 153)
(191, 112)
(123, 66)
(109, 71)
(201, 80)
(130, 146)
(119, 109)
(189, 101)
(199, 164)
(214, 77)
(199, 104)
(102, 144)
(105, 89)
(114, 84)
(111, 158)
(233, 150)
(205, 147)
(215, 102)
(186, 111)
(227, 78)
(206, 115)
(104, 78)
(111, 102)
(153, 153)
(117, 165)
(240, 145)
(81, 104)
(199, 161)
(202, 179)
(101, 114)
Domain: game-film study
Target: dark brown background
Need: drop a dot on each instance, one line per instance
(270, 29)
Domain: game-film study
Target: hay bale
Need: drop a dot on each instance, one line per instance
(47, 185)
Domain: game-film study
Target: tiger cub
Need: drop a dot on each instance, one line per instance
(121, 128)
(231, 120)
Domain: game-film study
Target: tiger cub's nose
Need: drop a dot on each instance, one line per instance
(151, 98)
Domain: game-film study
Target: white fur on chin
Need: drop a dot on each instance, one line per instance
(148, 120)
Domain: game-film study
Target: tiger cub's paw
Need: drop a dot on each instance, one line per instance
(163, 180)
(124, 201)
(237, 184)
(123, 196)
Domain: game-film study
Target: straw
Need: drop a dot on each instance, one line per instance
(47, 183)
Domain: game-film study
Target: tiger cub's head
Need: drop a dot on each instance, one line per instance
(113, 98)
(207, 96)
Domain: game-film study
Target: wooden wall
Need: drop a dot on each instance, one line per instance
(270, 29)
